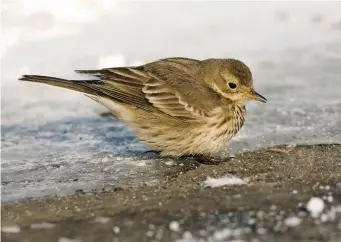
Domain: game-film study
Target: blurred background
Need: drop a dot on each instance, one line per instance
(55, 141)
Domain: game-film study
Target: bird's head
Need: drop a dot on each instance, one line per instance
(232, 79)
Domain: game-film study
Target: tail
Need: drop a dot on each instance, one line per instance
(111, 89)
(80, 86)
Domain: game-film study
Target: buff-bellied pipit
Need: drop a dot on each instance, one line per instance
(177, 106)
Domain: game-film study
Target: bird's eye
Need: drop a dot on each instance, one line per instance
(232, 85)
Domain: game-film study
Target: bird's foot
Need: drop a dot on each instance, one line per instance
(154, 152)
(204, 159)
(108, 114)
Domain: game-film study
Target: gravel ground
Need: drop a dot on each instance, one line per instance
(282, 193)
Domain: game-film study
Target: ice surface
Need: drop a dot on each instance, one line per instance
(55, 142)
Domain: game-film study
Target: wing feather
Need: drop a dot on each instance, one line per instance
(160, 85)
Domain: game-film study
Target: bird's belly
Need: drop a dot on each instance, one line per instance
(206, 138)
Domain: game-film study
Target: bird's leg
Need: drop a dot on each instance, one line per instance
(108, 114)
(207, 160)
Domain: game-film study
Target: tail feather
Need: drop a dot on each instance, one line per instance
(94, 89)
(80, 86)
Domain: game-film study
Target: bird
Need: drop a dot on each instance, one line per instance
(176, 106)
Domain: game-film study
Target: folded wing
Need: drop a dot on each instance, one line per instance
(165, 86)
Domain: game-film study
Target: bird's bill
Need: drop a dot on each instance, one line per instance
(256, 96)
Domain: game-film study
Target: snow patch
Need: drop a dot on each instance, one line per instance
(11, 229)
(315, 206)
(43, 225)
(102, 220)
(141, 163)
(221, 235)
(292, 221)
(227, 180)
(63, 239)
(174, 226)
(116, 230)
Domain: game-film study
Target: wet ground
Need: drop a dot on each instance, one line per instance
(271, 204)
